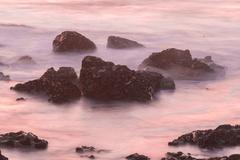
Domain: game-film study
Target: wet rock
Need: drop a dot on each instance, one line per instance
(106, 81)
(25, 60)
(137, 156)
(4, 77)
(22, 140)
(2, 157)
(89, 149)
(60, 86)
(71, 41)
(222, 136)
(122, 43)
(20, 99)
(182, 156)
(179, 64)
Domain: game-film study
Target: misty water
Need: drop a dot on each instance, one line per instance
(206, 27)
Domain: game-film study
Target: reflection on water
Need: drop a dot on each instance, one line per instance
(206, 27)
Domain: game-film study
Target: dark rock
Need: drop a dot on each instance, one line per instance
(2, 157)
(179, 64)
(89, 149)
(25, 60)
(182, 156)
(91, 157)
(107, 81)
(22, 140)
(122, 43)
(60, 86)
(222, 136)
(4, 77)
(137, 156)
(20, 99)
(69, 41)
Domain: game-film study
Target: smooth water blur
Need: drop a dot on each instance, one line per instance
(206, 27)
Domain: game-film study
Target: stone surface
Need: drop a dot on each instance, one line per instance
(4, 77)
(71, 41)
(106, 81)
(137, 156)
(179, 64)
(22, 140)
(182, 156)
(60, 86)
(122, 43)
(222, 136)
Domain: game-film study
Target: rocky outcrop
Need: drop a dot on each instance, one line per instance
(25, 60)
(222, 136)
(179, 64)
(60, 86)
(106, 81)
(71, 41)
(122, 43)
(2, 157)
(22, 140)
(137, 156)
(4, 77)
(182, 156)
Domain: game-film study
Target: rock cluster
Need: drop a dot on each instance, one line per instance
(89, 151)
(22, 140)
(115, 42)
(222, 136)
(179, 64)
(137, 156)
(106, 81)
(60, 86)
(71, 41)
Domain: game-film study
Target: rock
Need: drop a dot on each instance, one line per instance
(122, 43)
(60, 86)
(25, 60)
(182, 156)
(222, 136)
(137, 156)
(22, 140)
(4, 77)
(179, 64)
(2, 157)
(89, 149)
(106, 81)
(20, 99)
(71, 41)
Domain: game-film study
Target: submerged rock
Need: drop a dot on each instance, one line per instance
(25, 60)
(60, 86)
(20, 99)
(222, 136)
(106, 81)
(122, 43)
(182, 156)
(179, 64)
(89, 149)
(22, 140)
(71, 41)
(2, 157)
(137, 156)
(4, 77)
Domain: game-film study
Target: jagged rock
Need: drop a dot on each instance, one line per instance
(137, 156)
(122, 43)
(179, 64)
(182, 156)
(222, 136)
(4, 77)
(69, 41)
(2, 157)
(22, 140)
(107, 81)
(60, 86)
(25, 60)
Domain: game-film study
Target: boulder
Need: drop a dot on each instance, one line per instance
(4, 77)
(2, 157)
(89, 149)
(122, 43)
(179, 64)
(71, 41)
(22, 140)
(60, 86)
(222, 136)
(25, 60)
(20, 99)
(137, 156)
(106, 81)
(182, 156)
